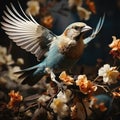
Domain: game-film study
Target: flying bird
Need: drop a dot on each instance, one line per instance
(55, 53)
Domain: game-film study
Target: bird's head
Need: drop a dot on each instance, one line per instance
(75, 30)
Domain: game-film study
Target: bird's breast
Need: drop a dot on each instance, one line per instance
(71, 48)
(75, 51)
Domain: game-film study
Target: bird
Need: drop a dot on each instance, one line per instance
(55, 53)
(104, 103)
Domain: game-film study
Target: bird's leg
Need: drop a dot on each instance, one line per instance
(52, 75)
(61, 87)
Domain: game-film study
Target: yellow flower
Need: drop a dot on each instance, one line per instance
(47, 21)
(115, 45)
(91, 5)
(116, 94)
(66, 78)
(33, 7)
(15, 99)
(86, 86)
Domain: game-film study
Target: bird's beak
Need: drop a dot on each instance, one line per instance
(86, 28)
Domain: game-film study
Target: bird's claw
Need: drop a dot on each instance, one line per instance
(61, 87)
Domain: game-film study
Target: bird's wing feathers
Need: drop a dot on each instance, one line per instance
(96, 31)
(26, 32)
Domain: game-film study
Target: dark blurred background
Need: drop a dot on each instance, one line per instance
(98, 48)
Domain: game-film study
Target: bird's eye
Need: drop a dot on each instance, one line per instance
(77, 28)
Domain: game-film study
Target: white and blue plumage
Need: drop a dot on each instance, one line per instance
(57, 53)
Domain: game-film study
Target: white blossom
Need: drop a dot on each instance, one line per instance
(20, 61)
(43, 98)
(65, 97)
(4, 57)
(9, 60)
(83, 13)
(12, 70)
(72, 3)
(33, 7)
(109, 74)
(59, 107)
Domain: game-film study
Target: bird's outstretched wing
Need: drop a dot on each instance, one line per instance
(96, 31)
(26, 32)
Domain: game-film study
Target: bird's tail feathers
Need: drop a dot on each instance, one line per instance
(28, 76)
(27, 69)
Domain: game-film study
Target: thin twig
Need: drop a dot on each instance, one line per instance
(52, 98)
(115, 88)
(102, 87)
(96, 78)
(34, 105)
(86, 116)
